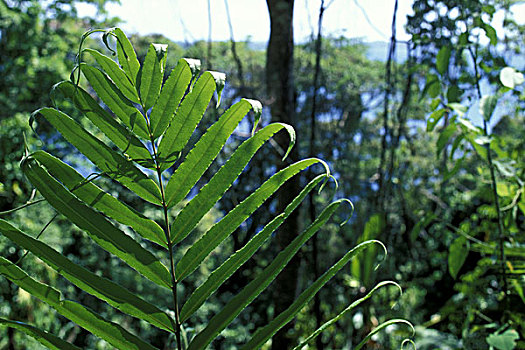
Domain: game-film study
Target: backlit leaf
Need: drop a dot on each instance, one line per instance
(266, 332)
(205, 151)
(443, 59)
(222, 180)
(504, 341)
(96, 225)
(116, 132)
(115, 295)
(457, 255)
(223, 318)
(189, 114)
(170, 97)
(350, 308)
(45, 338)
(224, 271)
(92, 195)
(84, 317)
(151, 75)
(229, 223)
(116, 101)
(110, 162)
(127, 56)
(117, 75)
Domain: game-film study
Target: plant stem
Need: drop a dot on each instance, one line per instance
(494, 184)
(170, 246)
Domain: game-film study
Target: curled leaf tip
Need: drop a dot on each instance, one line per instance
(382, 326)
(291, 132)
(194, 64)
(325, 181)
(335, 181)
(105, 40)
(408, 341)
(394, 284)
(325, 165)
(257, 110)
(346, 200)
(220, 81)
(53, 93)
(385, 252)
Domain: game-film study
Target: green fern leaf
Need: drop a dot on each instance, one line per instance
(96, 225)
(102, 288)
(85, 318)
(45, 338)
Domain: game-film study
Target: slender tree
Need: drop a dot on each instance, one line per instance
(280, 88)
(315, 251)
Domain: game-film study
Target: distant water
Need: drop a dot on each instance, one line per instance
(377, 50)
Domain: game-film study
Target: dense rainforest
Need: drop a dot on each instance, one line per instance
(148, 201)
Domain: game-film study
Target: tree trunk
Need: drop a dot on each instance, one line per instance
(280, 88)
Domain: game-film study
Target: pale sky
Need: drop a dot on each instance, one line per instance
(181, 20)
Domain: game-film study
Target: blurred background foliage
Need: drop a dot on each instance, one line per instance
(403, 137)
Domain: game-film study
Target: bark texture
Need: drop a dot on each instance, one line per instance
(280, 88)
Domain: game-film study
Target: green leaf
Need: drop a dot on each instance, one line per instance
(503, 341)
(218, 232)
(222, 319)
(487, 106)
(381, 327)
(435, 104)
(220, 81)
(85, 318)
(266, 332)
(454, 93)
(102, 288)
(458, 108)
(45, 338)
(459, 163)
(205, 151)
(110, 162)
(100, 200)
(117, 75)
(423, 222)
(510, 78)
(491, 33)
(457, 255)
(444, 138)
(127, 56)
(483, 140)
(223, 272)
(116, 101)
(364, 268)
(191, 214)
(480, 150)
(186, 119)
(434, 118)
(151, 75)
(344, 312)
(469, 126)
(443, 59)
(463, 39)
(432, 86)
(170, 96)
(96, 225)
(507, 169)
(490, 9)
(455, 145)
(116, 132)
